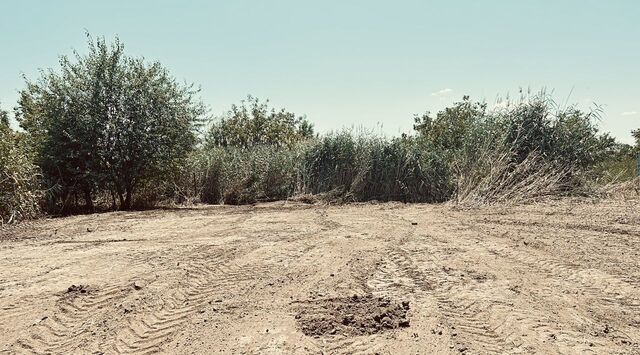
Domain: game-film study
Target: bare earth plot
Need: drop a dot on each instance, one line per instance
(561, 277)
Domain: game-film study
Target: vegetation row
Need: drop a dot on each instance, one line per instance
(108, 131)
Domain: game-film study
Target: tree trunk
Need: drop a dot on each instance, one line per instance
(113, 200)
(195, 185)
(88, 200)
(121, 198)
(127, 200)
(118, 191)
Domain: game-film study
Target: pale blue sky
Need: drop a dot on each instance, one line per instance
(347, 63)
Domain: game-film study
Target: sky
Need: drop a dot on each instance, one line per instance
(371, 64)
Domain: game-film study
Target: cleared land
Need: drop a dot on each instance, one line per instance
(559, 277)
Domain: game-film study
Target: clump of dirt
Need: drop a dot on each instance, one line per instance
(352, 316)
(77, 289)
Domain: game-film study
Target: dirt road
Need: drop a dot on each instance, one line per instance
(561, 277)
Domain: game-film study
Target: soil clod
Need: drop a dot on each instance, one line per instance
(356, 315)
(77, 289)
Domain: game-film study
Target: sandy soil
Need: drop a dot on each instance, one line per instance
(560, 277)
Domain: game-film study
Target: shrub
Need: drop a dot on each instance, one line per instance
(619, 164)
(531, 148)
(19, 177)
(564, 136)
(106, 122)
(261, 173)
(254, 123)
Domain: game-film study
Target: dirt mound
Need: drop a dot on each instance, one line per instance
(74, 289)
(352, 316)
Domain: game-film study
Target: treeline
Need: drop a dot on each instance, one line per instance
(108, 131)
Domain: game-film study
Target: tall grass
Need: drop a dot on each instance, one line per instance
(234, 175)
(20, 191)
(363, 168)
(528, 151)
(467, 154)
(344, 166)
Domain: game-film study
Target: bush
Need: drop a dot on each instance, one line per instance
(566, 137)
(107, 123)
(618, 165)
(467, 153)
(254, 123)
(528, 149)
(262, 173)
(525, 151)
(20, 192)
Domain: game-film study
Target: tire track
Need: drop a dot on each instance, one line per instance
(606, 230)
(620, 241)
(367, 344)
(397, 277)
(510, 322)
(595, 283)
(205, 280)
(75, 314)
(61, 332)
(465, 312)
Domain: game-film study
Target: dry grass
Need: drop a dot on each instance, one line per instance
(496, 179)
(622, 190)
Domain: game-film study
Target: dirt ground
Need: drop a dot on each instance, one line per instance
(280, 278)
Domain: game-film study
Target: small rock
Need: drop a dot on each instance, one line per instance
(138, 285)
(40, 320)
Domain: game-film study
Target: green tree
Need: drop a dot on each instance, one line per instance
(254, 123)
(4, 119)
(107, 122)
(636, 135)
(449, 129)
